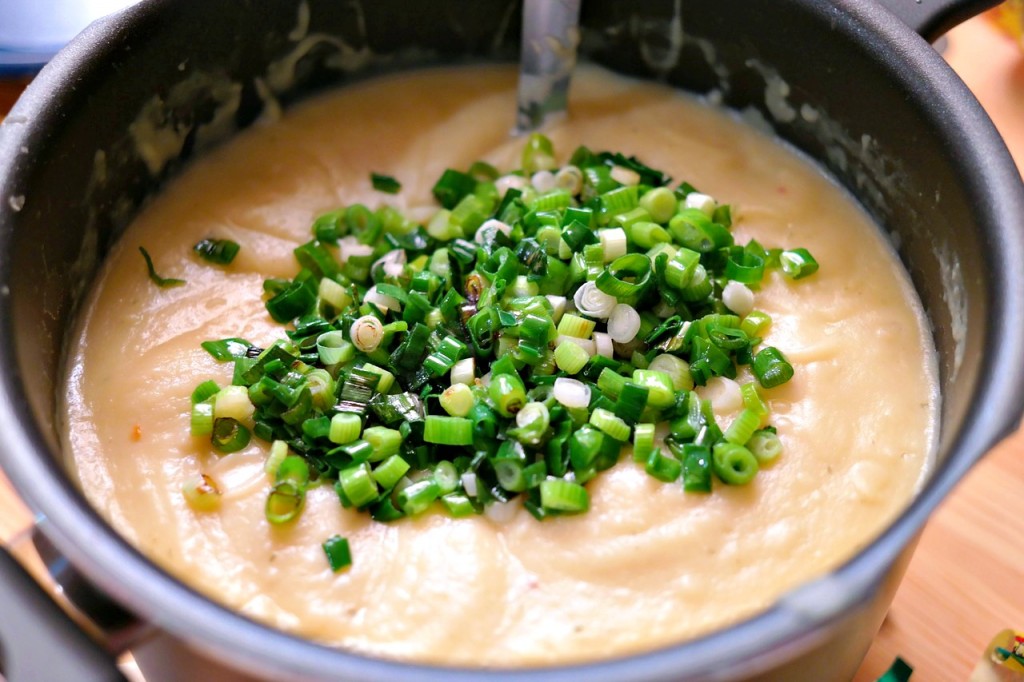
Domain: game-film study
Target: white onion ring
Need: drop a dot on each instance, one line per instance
(593, 302)
(572, 393)
(623, 323)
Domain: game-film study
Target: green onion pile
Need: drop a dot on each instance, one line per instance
(510, 347)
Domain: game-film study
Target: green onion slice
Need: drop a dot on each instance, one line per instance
(627, 278)
(284, 503)
(564, 496)
(162, 282)
(385, 183)
(734, 464)
(228, 435)
(218, 251)
(339, 555)
(227, 349)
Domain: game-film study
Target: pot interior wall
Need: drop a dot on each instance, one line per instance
(198, 72)
(195, 70)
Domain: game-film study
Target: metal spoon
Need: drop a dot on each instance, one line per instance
(550, 36)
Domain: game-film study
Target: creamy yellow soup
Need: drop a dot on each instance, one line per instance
(649, 565)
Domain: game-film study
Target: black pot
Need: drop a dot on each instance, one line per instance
(868, 98)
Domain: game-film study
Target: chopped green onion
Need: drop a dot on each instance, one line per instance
(202, 494)
(510, 474)
(448, 430)
(538, 154)
(660, 384)
(623, 323)
(458, 505)
(162, 282)
(593, 302)
(738, 298)
(732, 463)
(643, 441)
(233, 402)
(390, 471)
(201, 422)
(339, 556)
(696, 468)
(647, 235)
(676, 368)
(771, 367)
(627, 277)
(665, 469)
(284, 503)
(293, 469)
(584, 448)
(464, 372)
(317, 260)
(531, 423)
(229, 435)
(358, 484)
(681, 268)
(752, 401)
(608, 423)
(613, 243)
(412, 347)
(611, 382)
(619, 200)
(219, 251)
(387, 379)
(631, 402)
(345, 428)
(295, 300)
(277, 454)
(798, 263)
(564, 496)
(334, 294)
(755, 323)
(699, 288)
(385, 183)
(765, 446)
(227, 349)
(385, 442)
(575, 326)
(570, 357)
(661, 203)
(416, 498)
(507, 393)
(457, 400)
(446, 476)
(743, 427)
(330, 227)
(452, 187)
(366, 333)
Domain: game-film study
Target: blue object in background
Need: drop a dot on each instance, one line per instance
(32, 31)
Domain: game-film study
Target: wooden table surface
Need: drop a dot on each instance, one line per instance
(966, 580)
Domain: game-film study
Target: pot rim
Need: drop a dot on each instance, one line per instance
(794, 622)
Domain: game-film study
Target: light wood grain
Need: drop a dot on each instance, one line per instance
(966, 581)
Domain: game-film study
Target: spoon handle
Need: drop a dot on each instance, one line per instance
(550, 37)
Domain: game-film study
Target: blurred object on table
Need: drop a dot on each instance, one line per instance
(1010, 16)
(992, 65)
(900, 671)
(1003, 660)
(32, 31)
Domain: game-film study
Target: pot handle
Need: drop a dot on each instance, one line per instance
(38, 641)
(932, 18)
